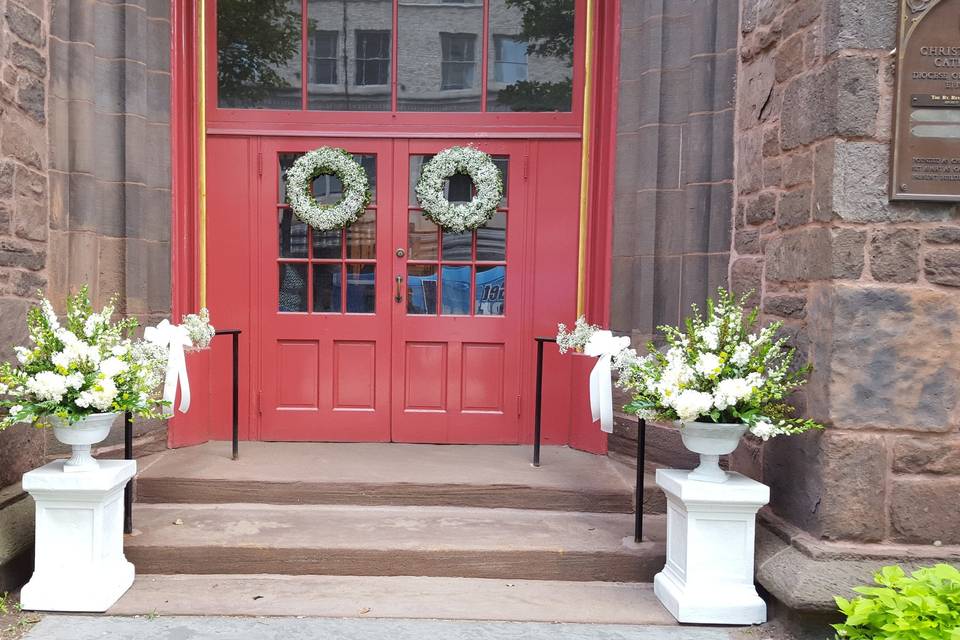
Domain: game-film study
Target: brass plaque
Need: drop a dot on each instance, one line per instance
(925, 162)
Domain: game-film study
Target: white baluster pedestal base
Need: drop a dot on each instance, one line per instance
(80, 564)
(708, 578)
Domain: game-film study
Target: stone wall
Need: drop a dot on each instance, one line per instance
(674, 180)
(110, 152)
(867, 289)
(23, 243)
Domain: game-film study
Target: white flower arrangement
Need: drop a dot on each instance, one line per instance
(199, 328)
(327, 161)
(463, 216)
(577, 339)
(87, 365)
(720, 370)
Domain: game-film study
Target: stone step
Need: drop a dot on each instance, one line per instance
(394, 597)
(393, 541)
(393, 475)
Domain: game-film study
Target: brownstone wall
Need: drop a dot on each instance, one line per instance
(23, 246)
(867, 289)
(674, 180)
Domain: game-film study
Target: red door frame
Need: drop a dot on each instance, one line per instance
(185, 144)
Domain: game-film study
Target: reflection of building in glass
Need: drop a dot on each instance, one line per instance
(349, 58)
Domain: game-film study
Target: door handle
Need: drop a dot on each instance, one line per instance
(399, 297)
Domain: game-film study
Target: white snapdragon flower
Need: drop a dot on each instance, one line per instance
(84, 400)
(112, 367)
(75, 380)
(4, 388)
(691, 404)
(49, 314)
(120, 350)
(47, 386)
(708, 365)
(91, 325)
(711, 336)
(23, 354)
(741, 355)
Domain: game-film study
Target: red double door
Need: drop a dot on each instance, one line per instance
(390, 329)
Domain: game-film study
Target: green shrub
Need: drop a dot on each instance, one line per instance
(923, 606)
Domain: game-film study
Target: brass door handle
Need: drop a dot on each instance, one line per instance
(399, 297)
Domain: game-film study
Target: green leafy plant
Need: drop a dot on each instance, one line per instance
(922, 606)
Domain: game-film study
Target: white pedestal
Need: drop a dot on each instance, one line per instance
(708, 578)
(80, 564)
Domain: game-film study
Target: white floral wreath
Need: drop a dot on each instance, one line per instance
(327, 161)
(463, 216)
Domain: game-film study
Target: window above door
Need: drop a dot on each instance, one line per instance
(427, 56)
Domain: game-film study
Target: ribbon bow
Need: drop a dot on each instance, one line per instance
(605, 345)
(174, 338)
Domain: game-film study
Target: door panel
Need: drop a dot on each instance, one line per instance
(456, 324)
(325, 306)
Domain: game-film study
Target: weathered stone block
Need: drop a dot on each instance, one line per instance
(940, 455)
(800, 256)
(772, 172)
(918, 511)
(747, 242)
(31, 205)
(24, 24)
(755, 87)
(854, 469)
(800, 14)
(860, 188)
(26, 256)
(762, 209)
(894, 255)
(885, 357)
(840, 99)
(848, 253)
(32, 97)
(786, 306)
(794, 208)
(25, 146)
(797, 169)
(746, 274)
(942, 235)
(750, 160)
(860, 24)
(28, 58)
(943, 267)
(789, 58)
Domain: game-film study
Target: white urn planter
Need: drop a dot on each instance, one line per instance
(711, 440)
(81, 436)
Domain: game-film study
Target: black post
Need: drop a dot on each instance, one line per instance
(641, 455)
(235, 344)
(536, 417)
(128, 490)
(236, 395)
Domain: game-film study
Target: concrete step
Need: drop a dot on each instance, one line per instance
(393, 475)
(394, 597)
(393, 541)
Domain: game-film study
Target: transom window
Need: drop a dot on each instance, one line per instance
(393, 55)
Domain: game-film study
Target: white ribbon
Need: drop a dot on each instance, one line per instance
(605, 345)
(174, 338)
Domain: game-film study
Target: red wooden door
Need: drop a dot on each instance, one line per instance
(325, 305)
(456, 311)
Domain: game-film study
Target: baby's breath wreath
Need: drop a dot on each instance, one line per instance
(327, 161)
(463, 216)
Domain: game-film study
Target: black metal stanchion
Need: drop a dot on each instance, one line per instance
(235, 335)
(128, 490)
(641, 455)
(539, 400)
